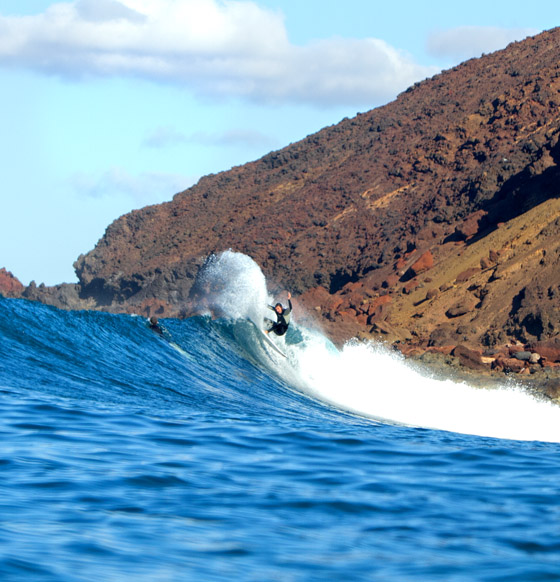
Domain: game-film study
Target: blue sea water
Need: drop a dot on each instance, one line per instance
(203, 455)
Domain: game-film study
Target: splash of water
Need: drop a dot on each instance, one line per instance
(235, 287)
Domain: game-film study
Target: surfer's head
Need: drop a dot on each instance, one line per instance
(153, 320)
(279, 308)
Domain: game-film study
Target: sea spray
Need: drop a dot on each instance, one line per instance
(234, 287)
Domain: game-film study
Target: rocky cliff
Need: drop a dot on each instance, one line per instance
(10, 286)
(433, 220)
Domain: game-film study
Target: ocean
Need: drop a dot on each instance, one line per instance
(203, 455)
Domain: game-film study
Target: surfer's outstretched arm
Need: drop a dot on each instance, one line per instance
(289, 308)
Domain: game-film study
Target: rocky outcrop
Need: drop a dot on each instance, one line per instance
(64, 296)
(468, 357)
(10, 286)
(424, 263)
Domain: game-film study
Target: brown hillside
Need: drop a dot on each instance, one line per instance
(434, 218)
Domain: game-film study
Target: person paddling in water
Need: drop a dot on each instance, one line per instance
(280, 326)
(154, 325)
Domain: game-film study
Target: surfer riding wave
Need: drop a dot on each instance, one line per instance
(283, 315)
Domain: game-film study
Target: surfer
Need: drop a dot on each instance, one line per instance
(154, 325)
(280, 326)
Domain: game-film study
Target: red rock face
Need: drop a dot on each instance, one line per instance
(549, 350)
(9, 285)
(423, 264)
(471, 225)
(469, 358)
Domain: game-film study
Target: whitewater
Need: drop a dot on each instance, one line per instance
(205, 455)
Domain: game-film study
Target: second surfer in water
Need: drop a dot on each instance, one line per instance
(280, 326)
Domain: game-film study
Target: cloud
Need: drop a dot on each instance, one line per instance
(141, 189)
(240, 137)
(106, 11)
(164, 137)
(466, 42)
(216, 48)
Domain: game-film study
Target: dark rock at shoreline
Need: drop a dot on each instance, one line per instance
(64, 296)
(444, 335)
(509, 365)
(469, 358)
(549, 350)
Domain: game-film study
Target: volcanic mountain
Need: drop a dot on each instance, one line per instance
(434, 218)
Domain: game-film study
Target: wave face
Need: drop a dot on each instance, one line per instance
(203, 454)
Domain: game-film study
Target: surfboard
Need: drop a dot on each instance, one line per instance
(271, 344)
(181, 350)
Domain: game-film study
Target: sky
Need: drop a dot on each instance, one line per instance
(111, 105)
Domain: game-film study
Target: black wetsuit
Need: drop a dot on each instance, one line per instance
(156, 328)
(280, 327)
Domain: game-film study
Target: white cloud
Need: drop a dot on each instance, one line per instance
(218, 48)
(106, 11)
(241, 137)
(466, 42)
(141, 189)
(164, 137)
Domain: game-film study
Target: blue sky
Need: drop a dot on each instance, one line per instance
(111, 105)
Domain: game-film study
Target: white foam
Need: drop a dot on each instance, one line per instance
(370, 380)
